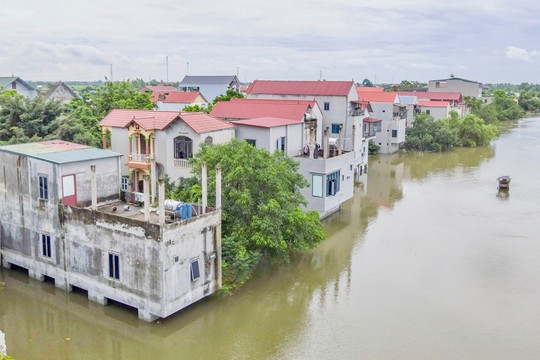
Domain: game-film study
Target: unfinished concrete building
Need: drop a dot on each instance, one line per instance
(61, 219)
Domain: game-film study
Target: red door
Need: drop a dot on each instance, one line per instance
(69, 190)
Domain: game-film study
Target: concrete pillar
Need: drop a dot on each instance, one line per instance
(93, 186)
(146, 199)
(130, 154)
(146, 316)
(153, 177)
(218, 187)
(325, 143)
(97, 297)
(218, 229)
(204, 186)
(104, 140)
(36, 275)
(340, 144)
(161, 201)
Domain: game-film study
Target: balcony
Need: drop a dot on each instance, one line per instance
(355, 112)
(182, 163)
(138, 160)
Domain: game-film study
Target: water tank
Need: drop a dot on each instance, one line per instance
(181, 210)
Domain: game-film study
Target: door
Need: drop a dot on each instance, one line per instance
(69, 190)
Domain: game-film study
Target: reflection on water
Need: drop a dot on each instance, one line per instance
(426, 263)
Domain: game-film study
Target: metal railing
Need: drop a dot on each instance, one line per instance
(183, 163)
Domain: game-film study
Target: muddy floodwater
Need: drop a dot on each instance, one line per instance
(427, 261)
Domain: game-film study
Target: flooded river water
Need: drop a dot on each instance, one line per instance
(428, 261)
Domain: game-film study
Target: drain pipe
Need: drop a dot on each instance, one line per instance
(218, 228)
(161, 201)
(326, 150)
(146, 199)
(340, 145)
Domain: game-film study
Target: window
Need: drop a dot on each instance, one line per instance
(428, 112)
(183, 147)
(251, 142)
(332, 183)
(194, 270)
(208, 140)
(114, 266)
(46, 245)
(326, 106)
(317, 185)
(335, 128)
(394, 133)
(125, 183)
(282, 144)
(43, 187)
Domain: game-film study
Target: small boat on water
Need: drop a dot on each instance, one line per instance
(504, 182)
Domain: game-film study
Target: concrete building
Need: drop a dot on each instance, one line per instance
(62, 221)
(159, 141)
(394, 115)
(210, 86)
(455, 84)
(61, 92)
(17, 84)
(340, 106)
(438, 109)
(293, 127)
(176, 101)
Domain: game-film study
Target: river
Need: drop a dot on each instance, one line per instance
(428, 261)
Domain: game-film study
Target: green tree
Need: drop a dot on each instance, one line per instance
(197, 108)
(230, 94)
(367, 83)
(426, 134)
(261, 212)
(23, 120)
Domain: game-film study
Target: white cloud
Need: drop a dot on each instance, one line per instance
(513, 52)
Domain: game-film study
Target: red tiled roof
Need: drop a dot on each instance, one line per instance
(267, 122)
(201, 122)
(371, 120)
(185, 97)
(377, 96)
(335, 88)
(152, 118)
(156, 95)
(369, 88)
(431, 95)
(257, 108)
(433, 103)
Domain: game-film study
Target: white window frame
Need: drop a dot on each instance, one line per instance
(194, 276)
(125, 183)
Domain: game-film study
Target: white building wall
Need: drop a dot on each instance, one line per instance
(438, 113)
(327, 204)
(466, 88)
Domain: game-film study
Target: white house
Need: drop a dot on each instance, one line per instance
(210, 86)
(61, 92)
(17, 84)
(339, 104)
(438, 109)
(177, 100)
(159, 141)
(387, 107)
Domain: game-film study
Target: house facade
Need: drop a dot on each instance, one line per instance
(17, 84)
(154, 142)
(340, 107)
(438, 109)
(61, 92)
(210, 86)
(455, 84)
(394, 115)
(176, 101)
(62, 221)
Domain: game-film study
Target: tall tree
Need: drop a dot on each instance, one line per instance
(262, 214)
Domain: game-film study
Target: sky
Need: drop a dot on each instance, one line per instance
(385, 41)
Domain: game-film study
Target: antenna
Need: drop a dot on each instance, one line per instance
(320, 75)
(167, 67)
(187, 71)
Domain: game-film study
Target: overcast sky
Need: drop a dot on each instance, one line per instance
(382, 40)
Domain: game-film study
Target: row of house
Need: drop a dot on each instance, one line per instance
(82, 217)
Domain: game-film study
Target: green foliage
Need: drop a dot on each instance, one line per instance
(473, 131)
(529, 100)
(367, 83)
(427, 134)
(5, 357)
(231, 93)
(410, 85)
(24, 120)
(197, 108)
(373, 148)
(261, 213)
(187, 190)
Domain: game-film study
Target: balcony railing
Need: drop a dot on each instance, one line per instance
(356, 112)
(136, 157)
(182, 163)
